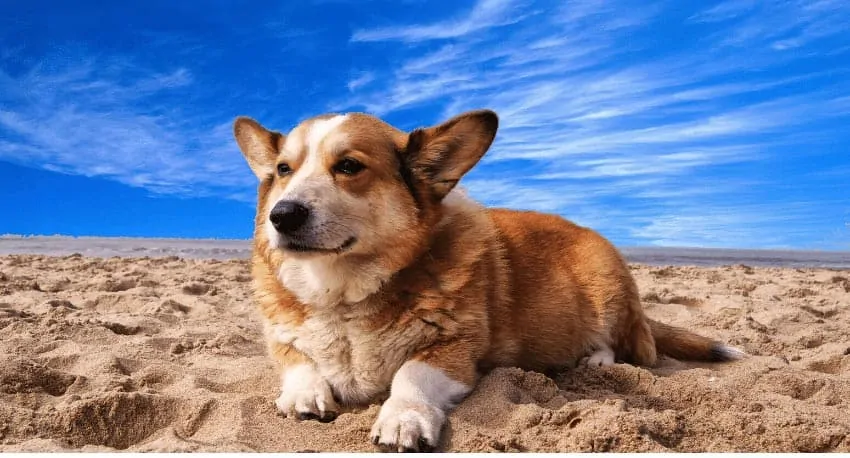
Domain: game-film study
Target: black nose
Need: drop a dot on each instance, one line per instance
(288, 216)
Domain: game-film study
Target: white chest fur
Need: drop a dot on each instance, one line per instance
(357, 361)
(327, 282)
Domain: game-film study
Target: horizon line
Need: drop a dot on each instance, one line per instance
(11, 236)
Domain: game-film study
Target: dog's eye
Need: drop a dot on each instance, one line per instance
(283, 169)
(349, 166)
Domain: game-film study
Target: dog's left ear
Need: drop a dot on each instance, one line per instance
(442, 154)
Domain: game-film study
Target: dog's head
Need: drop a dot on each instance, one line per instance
(339, 185)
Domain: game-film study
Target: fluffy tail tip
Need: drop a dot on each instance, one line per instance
(721, 353)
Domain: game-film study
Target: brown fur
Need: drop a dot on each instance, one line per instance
(466, 289)
(574, 290)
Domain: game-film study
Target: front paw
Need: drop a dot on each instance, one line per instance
(305, 395)
(407, 426)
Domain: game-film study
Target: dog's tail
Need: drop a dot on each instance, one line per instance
(685, 345)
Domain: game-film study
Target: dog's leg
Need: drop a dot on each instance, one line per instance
(304, 394)
(423, 391)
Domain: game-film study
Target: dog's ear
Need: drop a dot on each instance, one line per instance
(259, 145)
(442, 154)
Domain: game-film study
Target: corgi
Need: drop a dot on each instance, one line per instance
(378, 279)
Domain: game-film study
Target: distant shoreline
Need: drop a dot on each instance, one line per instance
(241, 249)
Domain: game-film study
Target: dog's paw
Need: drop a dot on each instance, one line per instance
(600, 358)
(407, 426)
(305, 395)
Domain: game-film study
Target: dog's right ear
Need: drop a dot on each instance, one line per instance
(259, 145)
(443, 154)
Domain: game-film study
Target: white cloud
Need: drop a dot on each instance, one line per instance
(652, 165)
(743, 226)
(362, 79)
(725, 10)
(781, 25)
(510, 194)
(103, 118)
(484, 15)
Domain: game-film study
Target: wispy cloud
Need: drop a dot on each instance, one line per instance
(724, 11)
(362, 79)
(779, 25)
(653, 165)
(117, 120)
(738, 227)
(484, 15)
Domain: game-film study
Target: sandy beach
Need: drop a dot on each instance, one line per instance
(165, 354)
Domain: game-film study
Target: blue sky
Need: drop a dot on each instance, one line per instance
(714, 124)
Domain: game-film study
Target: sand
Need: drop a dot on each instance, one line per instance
(165, 354)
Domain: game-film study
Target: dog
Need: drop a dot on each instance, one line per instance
(379, 279)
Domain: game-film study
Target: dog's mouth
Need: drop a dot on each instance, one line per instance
(302, 248)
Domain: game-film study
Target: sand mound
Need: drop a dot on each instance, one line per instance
(164, 354)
